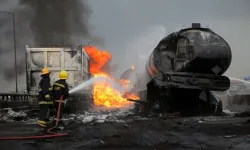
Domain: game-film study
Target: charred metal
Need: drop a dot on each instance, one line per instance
(184, 68)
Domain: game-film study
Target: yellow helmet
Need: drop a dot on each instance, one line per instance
(63, 75)
(45, 71)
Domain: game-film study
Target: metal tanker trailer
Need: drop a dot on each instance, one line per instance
(73, 60)
(184, 68)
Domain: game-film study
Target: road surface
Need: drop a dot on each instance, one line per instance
(131, 132)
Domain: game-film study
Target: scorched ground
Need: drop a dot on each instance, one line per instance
(132, 132)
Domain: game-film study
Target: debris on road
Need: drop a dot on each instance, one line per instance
(136, 133)
(9, 115)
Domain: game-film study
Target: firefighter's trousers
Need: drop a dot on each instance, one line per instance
(44, 114)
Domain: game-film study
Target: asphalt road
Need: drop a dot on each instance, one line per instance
(136, 133)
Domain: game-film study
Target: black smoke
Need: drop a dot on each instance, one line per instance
(41, 23)
(57, 22)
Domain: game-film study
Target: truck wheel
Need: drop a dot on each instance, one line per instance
(156, 106)
(219, 107)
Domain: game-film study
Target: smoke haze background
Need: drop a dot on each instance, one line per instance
(40, 23)
(130, 19)
(124, 26)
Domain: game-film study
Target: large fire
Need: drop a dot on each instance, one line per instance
(104, 93)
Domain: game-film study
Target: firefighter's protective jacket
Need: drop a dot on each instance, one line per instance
(45, 90)
(60, 87)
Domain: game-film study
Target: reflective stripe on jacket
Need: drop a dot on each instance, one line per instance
(45, 89)
(60, 87)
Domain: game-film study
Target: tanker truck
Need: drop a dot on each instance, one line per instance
(183, 70)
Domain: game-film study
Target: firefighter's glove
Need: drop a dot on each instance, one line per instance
(47, 96)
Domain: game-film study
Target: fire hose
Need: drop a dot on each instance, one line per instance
(50, 135)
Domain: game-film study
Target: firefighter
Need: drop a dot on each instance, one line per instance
(45, 98)
(60, 88)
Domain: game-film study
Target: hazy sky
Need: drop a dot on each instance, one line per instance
(120, 22)
(131, 26)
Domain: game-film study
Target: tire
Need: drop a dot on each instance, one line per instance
(219, 107)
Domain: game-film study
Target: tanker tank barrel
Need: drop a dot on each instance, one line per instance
(194, 50)
(185, 67)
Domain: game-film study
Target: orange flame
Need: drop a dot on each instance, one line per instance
(131, 95)
(126, 84)
(98, 59)
(133, 67)
(128, 95)
(103, 92)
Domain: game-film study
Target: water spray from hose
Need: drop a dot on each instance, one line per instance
(87, 84)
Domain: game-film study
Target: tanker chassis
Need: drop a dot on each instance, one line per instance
(184, 69)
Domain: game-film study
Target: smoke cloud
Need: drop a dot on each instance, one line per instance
(41, 23)
(57, 22)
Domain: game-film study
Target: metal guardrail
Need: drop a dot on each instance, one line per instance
(22, 101)
(17, 100)
(10, 97)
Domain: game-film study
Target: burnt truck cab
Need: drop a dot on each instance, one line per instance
(74, 61)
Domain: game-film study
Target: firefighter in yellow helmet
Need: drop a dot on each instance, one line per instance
(60, 88)
(45, 98)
